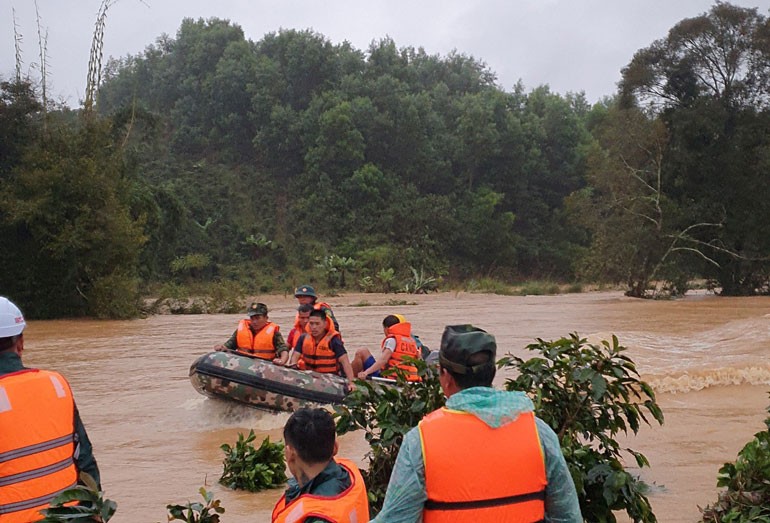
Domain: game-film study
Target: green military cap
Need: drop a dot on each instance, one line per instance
(305, 290)
(257, 309)
(460, 342)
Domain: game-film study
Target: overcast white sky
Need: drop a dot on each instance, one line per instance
(571, 45)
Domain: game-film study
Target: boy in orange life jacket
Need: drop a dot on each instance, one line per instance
(258, 337)
(398, 343)
(300, 324)
(321, 349)
(39, 425)
(483, 457)
(323, 489)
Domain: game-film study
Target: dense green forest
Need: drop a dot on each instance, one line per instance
(255, 165)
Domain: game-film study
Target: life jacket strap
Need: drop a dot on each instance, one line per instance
(433, 504)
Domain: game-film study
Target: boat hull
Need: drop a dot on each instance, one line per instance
(261, 384)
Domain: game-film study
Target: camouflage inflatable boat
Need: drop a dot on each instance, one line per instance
(261, 384)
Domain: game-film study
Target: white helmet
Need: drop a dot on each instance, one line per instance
(11, 320)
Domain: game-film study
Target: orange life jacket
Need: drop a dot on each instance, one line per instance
(37, 424)
(349, 506)
(319, 356)
(475, 473)
(259, 344)
(323, 306)
(405, 346)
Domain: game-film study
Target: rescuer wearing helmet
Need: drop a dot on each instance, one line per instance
(483, 457)
(305, 294)
(44, 445)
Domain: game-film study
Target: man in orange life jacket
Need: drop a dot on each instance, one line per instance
(258, 337)
(305, 294)
(300, 324)
(483, 457)
(397, 345)
(321, 349)
(323, 489)
(44, 445)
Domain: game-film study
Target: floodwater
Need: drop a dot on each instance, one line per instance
(157, 441)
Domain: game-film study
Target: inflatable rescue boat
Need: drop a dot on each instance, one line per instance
(261, 384)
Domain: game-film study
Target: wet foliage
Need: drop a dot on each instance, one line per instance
(588, 394)
(253, 469)
(746, 497)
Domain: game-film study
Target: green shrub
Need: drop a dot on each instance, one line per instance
(197, 512)
(489, 286)
(247, 468)
(386, 413)
(115, 296)
(538, 288)
(91, 506)
(587, 394)
(747, 497)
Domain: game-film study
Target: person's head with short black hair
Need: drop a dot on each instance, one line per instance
(318, 324)
(305, 307)
(311, 434)
(467, 354)
(390, 320)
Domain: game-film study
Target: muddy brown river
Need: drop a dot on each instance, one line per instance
(157, 441)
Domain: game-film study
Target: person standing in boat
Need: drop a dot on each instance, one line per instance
(257, 336)
(305, 294)
(321, 349)
(324, 488)
(44, 446)
(397, 345)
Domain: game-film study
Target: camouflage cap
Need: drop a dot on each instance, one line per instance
(257, 309)
(460, 342)
(305, 290)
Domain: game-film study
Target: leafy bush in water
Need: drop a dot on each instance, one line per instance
(197, 512)
(247, 468)
(91, 505)
(747, 498)
(588, 394)
(386, 413)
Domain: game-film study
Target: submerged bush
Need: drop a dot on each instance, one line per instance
(251, 469)
(588, 394)
(197, 512)
(747, 497)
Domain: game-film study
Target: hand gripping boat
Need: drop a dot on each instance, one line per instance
(261, 384)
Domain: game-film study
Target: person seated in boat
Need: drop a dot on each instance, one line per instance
(323, 488)
(321, 349)
(300, 324)
(305, 294)
(397, 345)
(257, 336)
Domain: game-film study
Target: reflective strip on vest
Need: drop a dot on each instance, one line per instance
(33, 449)
(37, 449)
(475, 473)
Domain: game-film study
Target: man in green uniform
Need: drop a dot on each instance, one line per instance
(258, 321)
(306, 294)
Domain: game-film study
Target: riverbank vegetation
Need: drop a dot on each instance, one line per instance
(212, 159)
